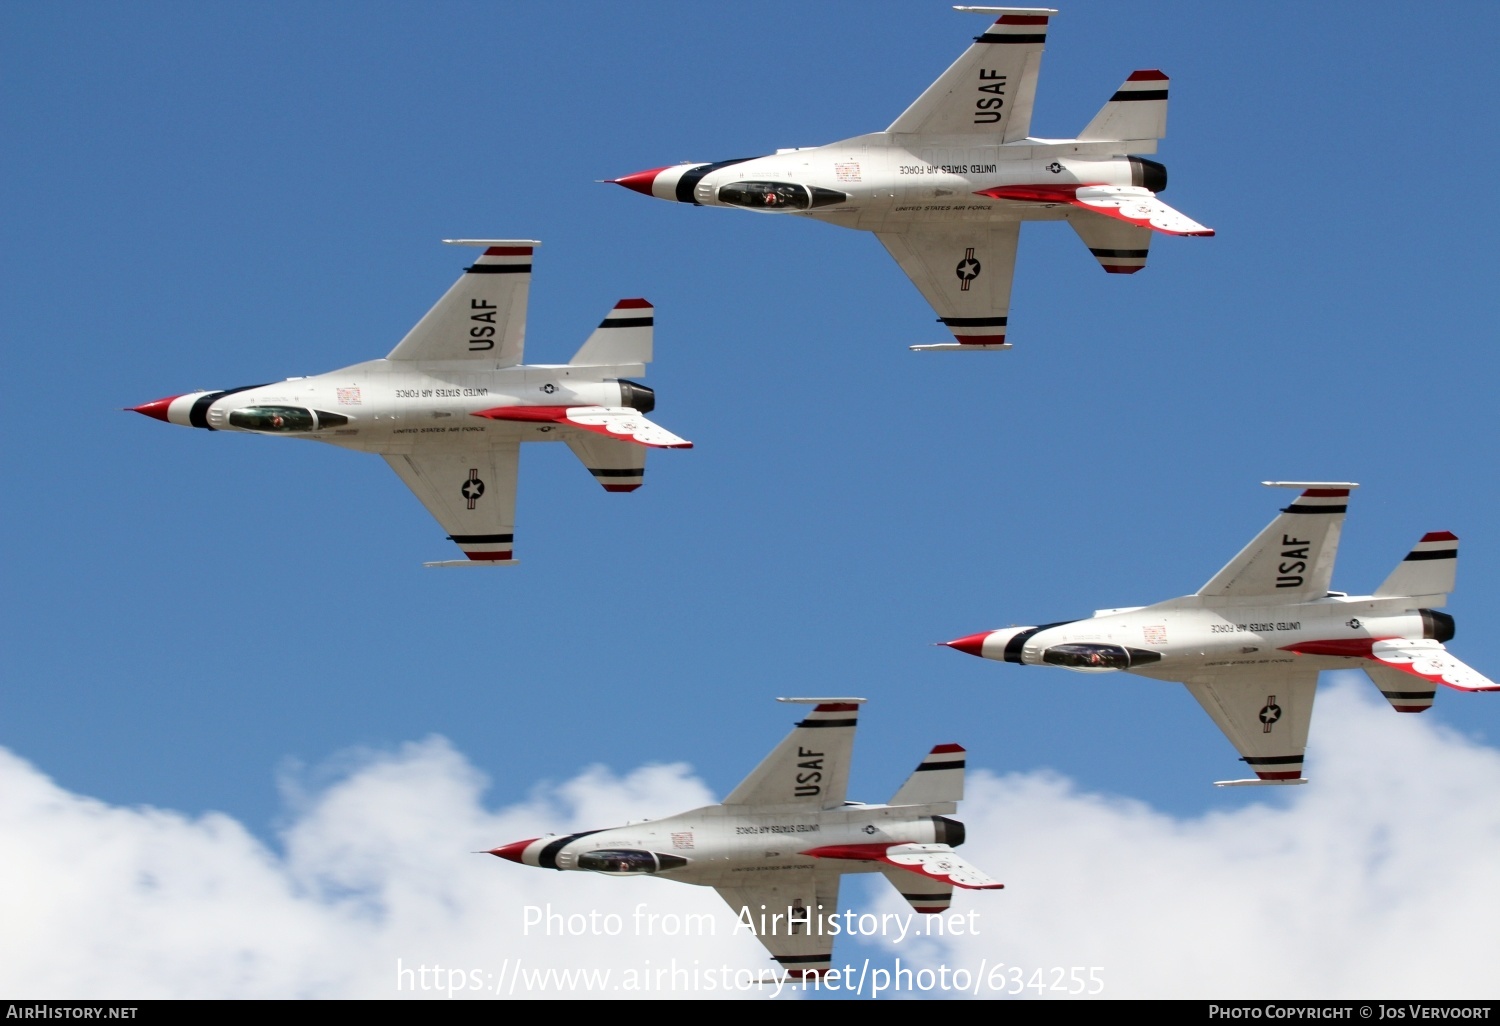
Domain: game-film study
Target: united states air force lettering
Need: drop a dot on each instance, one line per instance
(482, 334)
(1293, 561)
(811, 766)
(991, 97)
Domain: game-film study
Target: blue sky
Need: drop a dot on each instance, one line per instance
(210, 197)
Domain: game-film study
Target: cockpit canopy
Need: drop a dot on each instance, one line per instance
(625, 861)
(1098, 657)
(284, 419)
(778, 196)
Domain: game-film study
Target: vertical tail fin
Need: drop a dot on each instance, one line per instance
(1138, 110)
(1428, 569)
(939, 778)
(622, 338)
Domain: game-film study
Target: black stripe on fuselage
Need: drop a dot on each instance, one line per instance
(974, 322)
(829, 723)
(627, 322)
(1294, 508)
(547, 858)
(498, 269)
(1434, 554)
(690, 179)
(481, 539)
(1139, 94)
(1014, 645)
(198, 415)
(1270, 760)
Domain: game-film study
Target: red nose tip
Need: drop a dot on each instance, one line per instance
(157, 409)
(973, 644)
(640, 181)
(511, 851)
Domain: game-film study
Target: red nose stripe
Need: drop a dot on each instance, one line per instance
(640, 181)
(157, 408)
(512, 851)
(973, 644)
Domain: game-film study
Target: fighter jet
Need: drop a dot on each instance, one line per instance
(946, 186)
(449, 407)
(774, 850)
(1250, 643)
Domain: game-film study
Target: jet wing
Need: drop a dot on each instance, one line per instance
(965, 274)
(811, 766)
(473, 495)
(1265, 712)
(991, 87)
(483, 316)
(809, 898)
(1292, 559)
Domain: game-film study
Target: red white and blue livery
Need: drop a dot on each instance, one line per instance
(946, 186)
(449, 407)
(1251, 642)
(777, 846)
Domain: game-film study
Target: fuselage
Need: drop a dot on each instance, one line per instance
(393, 407)
(887, 181)
(1174, 640)
(726, 846)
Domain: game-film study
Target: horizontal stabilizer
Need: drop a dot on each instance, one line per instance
(1258, 783)
(1138, 110)
(1405, 693)
(622, 338)
(926, 895)
(1129, 203)
(1120, 247)
(936, 861)
(619, 423)
(1428, 569)
(939, 778)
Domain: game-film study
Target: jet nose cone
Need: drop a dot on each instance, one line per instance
(640, 181)
(512, 851)
(972, 644)
(157, 408)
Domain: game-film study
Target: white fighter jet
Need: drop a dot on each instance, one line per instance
(449, 407)
(1250, 644)
(776, 848)
(946, 187)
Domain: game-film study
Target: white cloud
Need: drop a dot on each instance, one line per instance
(1375, 880)
(103, 901)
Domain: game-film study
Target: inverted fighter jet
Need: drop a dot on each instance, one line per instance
(946, 187)
(1251, 642)
(449, 407)
(776, 848)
